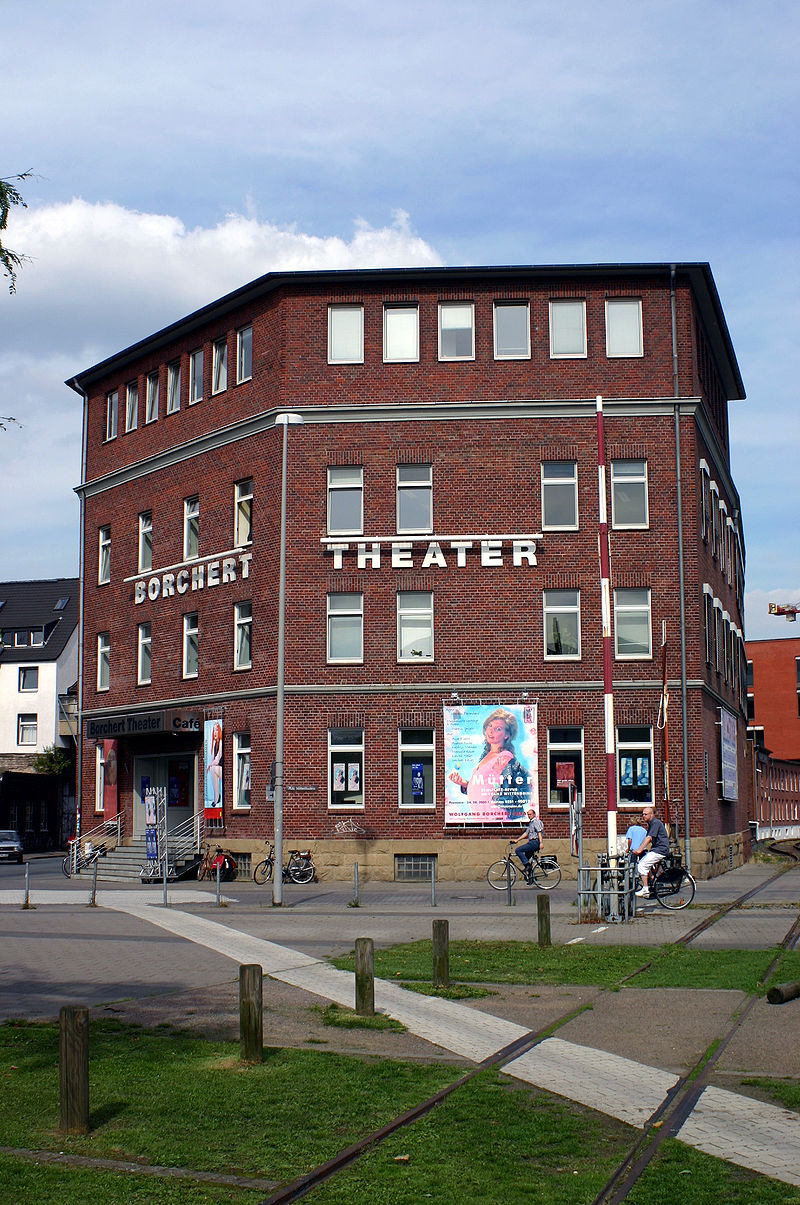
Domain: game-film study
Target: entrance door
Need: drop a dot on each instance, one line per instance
(177, 775)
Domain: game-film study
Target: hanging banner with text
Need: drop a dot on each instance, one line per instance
(491, 760)
(212, 744)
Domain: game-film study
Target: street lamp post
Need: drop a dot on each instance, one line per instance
(285, 421)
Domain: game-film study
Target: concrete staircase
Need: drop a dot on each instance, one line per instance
(124, 864)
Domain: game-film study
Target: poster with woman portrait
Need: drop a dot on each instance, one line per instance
(212, 746)
(491, 758)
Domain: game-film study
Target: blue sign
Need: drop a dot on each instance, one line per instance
(151, 844)
(417, 779)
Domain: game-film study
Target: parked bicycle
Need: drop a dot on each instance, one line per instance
(299, 868)
(670, 883)
(543, 872)
(217, 857)
(81, 859)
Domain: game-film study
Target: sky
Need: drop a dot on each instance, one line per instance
(181, 150)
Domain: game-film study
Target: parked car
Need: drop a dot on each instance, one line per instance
(10, 845)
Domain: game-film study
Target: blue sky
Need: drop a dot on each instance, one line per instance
(182, 150)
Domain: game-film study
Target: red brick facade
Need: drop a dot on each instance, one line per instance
(775, 695)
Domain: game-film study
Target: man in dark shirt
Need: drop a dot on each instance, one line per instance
(653, 849)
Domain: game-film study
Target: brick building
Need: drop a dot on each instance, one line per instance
(441, 562)
(773, 695)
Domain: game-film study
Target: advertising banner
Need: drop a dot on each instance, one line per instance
(491, 763)
(110, 797)
(730, 765)
(212, 745)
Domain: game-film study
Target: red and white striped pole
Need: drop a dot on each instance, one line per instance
(605, 603)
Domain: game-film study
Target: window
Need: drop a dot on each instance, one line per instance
(103, 660)
(103, 555)
(345, 627)
(345, 334)
(151, 398)
(414, 625)
(623, 327)
(131, 406)
(629, 493)
(244, 354)
(414, 498)
(567, 329)
(145, 541)
(512, 330)
(559, 495)
(242, 635)
(27, 729)
(705, 501)
(708, 612)
(346, 768)
(564, 765)
(562, 623)
(112, 407)
(346, 501)
(195, 376)
(144, 655)
(635, 765)
(28, 677)
(243, 512)
(456, 331)
(241, 770)
(632, 623)
(400, 334)
(173, 387)
(416, 768)
(191, 528)
(219, 366)
(191, 660)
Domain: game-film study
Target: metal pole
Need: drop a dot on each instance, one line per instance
(433, 883)
(605, 604)
(687, 858)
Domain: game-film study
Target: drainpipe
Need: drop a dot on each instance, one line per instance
(678, 482)
(73, 384)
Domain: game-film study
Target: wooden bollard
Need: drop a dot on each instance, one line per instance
(441, 953)
(783, 992)
(365, 977)
(543, 912)
(251, 1014)
(74, 1070)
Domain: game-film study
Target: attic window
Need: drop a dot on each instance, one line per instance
(61, 604)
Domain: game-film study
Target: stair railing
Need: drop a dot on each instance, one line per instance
(107, 833)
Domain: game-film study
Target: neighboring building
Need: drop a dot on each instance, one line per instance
(441, 530)
(38, 706)
(773, 711)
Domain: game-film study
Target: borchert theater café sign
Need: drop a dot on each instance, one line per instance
(143, 724)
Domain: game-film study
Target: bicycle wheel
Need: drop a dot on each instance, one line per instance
(302, 873)
(263, 872)
(497, 874)
(546, 874)
(66, 866)
(674, 889)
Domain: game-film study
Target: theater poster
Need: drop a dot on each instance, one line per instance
(491, 763)
(110, 786)
(212, 745)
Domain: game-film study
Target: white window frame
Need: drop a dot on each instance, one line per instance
(152, 391)
(242, 629)
(112, 414)
(196, 359)
(25, 670)
(243, 513)
(416, 479)
(346, 752)
(555, 483)
(173, 387)
(242, 770)
(144, 654)
(103, 661)
(450, 307)
(619, 345)
(191, 528)
(219, 365)
(145, 561)
(191, 645)
(103, 555)
(709, 623)
(346, 333)
(576, 350)
(400, 314)
(131, 406)
(620, 477)
(407, 747)
(350, 479)
(624, 606)
(244, 354)
(27, 725)
(415, 606)
(568, 749)
(523, 353)
(554, 603)
(638, 748)
(338, 608)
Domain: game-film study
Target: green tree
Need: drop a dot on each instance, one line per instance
(10, 196)
(54, 760)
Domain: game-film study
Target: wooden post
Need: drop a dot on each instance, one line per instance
(251, 1015)
(365, 977)
(782, 993)
(441, 953)
(543, 910)
(74, 1070)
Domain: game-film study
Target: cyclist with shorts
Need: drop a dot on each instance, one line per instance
(653, 849)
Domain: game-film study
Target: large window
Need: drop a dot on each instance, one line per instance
(400, 334)
(243, 512)
(456, 330)
(414, 498)
(243, 635)
(131, 406)
(512, 330)
(151, 398)
(244, 354)
(416, 768)
(191, 656)
(559, 495)
(623, 327)
(27, 729)
(562, 624)
(28, 677)
(191, 528)
(345, 627)
(629, 493)
(195, 376)
(564, 765)
(103, 555)
(145, 541)
(241, 770)
(144, 656)
(346, 500)
(219, 366)
(567, 329)
(112, 411)
(635, 765)
(345, 334)
(173, 387)
(346, 768)
(414, 625)
(103, 660)
(632, 626)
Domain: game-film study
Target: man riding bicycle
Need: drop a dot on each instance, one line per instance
(655, 847)
(533, 832)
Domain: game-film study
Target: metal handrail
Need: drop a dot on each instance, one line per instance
(109, 832)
